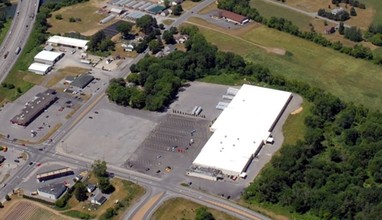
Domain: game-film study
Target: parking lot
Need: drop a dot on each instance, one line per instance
(110, 132)
(174, 143)
(206, 95)
(47, 122)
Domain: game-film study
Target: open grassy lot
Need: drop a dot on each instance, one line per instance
(5, 29)
(86, 11)
(179, 208)
(188, 4)
(268, 10)
(377, 6)
(53, 79)
(294, 127)
(349, 78)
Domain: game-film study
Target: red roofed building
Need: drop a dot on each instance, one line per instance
(232, 17)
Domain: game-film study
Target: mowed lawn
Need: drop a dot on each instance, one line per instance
(268, 10)
(349, 78)
(86, 11)
(179, 208)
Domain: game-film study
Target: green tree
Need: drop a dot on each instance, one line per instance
(104, 185)
(146, 23)
(58, 17)
(99, 168)
(168, 37)
(353, 34)
(166, 3)
(80, 192)
(341, 28)
(155, 46)
(177, 10)
(7, 197)
(203, 214)
(124, 28)
(353, 12)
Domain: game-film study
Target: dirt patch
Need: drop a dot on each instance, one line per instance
(278, 51)
(295, 112)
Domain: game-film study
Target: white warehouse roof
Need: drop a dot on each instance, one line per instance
(48, 55)
(67, 41)
(39, 67)
(241, 128)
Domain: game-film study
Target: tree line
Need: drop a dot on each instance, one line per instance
(243, 7)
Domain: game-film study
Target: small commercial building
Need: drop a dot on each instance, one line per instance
(42, 177)
(232, 17)
(116, 11)
(82, 81)
(68, 42)
(52, 192)
(48, 57)
(35, 107)
(40, 68)
(242, 128)
(99, 199)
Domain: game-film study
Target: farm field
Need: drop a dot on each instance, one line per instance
(24, 209)
(377, 5)
(179, 208)
(86, 11)
(349, 78)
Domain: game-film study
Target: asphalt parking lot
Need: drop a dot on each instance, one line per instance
(206, 95)
(174, 143)
(110, 132)
(45, 123)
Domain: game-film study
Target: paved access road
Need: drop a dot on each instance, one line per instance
(18, 35)
(152, 184)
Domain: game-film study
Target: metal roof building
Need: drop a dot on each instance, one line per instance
(53, 191)
(34, 108)
(48, 57)
(82, 81)
(39, 68)
(156, 10)
(67, 41)
(242, 128)
(54, 174)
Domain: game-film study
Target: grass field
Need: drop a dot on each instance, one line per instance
(87, 12)
(268, 10)
(188, 4)
(5, 29)
(179, 208)
(294, 127)
(377, 5)
(346, 77)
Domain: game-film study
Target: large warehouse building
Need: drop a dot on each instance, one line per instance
(67, 41)
(48, 57)
(242, 128)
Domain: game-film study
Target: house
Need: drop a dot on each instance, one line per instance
(91, 187)
(176, 2)
(129, 48)
(232, 17)
(337, 11)
(166, 12)
(180, 38)
(99, 199)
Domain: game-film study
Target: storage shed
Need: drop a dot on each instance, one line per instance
(40, 68)
(48, 57)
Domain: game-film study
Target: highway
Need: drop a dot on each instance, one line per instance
(152, 184)
(18, 35)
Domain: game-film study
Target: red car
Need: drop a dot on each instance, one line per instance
(39, 164)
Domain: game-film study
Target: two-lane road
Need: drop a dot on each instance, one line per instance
(18, 35)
